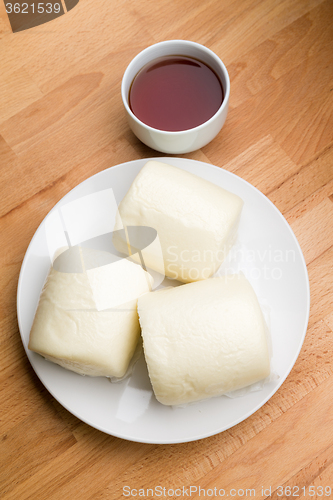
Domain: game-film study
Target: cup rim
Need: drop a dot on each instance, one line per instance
(177, 132)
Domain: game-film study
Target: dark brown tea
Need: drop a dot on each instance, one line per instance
(175, 93)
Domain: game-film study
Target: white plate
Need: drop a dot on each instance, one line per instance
(269, 255)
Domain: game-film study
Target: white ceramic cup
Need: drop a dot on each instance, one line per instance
(183, 141)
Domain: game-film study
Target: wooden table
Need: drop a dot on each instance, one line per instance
(61, 121)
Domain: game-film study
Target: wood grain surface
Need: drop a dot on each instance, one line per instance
(61, 121)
